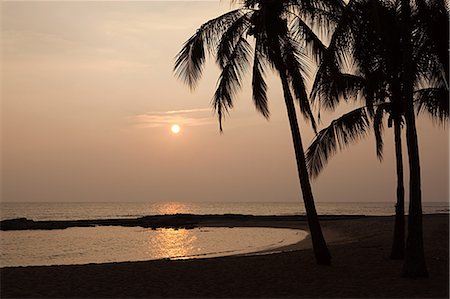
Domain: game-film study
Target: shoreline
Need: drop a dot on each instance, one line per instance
(361, 268)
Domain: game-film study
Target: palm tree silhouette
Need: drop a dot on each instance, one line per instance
(373, 32)
(354, 125)
(414, 265)
(280, 37)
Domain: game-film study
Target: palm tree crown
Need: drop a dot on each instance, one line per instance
(262, 33)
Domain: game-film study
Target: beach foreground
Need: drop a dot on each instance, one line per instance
(361, 268)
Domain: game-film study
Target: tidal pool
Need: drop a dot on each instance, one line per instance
(103, 244)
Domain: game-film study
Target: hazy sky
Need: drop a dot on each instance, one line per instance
(88, 98)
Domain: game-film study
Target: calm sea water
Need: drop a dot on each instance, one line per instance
(65, 211)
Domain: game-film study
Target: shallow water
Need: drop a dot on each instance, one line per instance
(81, 245)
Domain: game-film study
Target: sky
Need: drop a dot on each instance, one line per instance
(89, 96)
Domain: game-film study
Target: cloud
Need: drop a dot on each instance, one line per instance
(187, 117)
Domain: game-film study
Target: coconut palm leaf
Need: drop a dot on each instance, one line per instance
(230, 78)
(314, 46)
(312, 8)
(331, 86)
(190, 60)
(433, 101)
(343, 131)
(258, 83)
(295, 68)
(230, 37)
(378, 129)
(433, 17)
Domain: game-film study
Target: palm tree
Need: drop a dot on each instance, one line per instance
(280, 34)
(414, 265)
(373, 31)
(354, 125)
(349, 128)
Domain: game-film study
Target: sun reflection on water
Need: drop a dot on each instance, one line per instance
(174, 242)
(174, 208)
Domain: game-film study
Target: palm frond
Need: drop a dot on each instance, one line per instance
(230, 78)
(230, 37)
(347, 129)
(190, 60)
(296, 72)
(331, 83)
(258, 83)
(317, 9)
(376, 89)
(343, 35)
(432, 18)
(434, 101)
(378, 130)
(331, 86)
(320, 21)
(301, 31)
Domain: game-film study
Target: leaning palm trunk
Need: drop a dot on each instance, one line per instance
(414, 265)
(321, 252)
(398, 245)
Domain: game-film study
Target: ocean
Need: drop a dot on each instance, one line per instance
(83, 245)
(73, 211)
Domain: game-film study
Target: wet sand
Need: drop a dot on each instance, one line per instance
(361, 268)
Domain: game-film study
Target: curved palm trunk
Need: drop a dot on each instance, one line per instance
(321, 252)
(414, 265)
(398, 245)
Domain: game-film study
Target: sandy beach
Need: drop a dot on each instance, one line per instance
(361, 268)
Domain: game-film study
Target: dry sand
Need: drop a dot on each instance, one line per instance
(361, 268)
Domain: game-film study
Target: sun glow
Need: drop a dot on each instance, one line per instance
(175, 129)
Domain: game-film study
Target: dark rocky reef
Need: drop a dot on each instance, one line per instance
(186, 221)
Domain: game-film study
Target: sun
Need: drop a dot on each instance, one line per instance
(175, 129)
